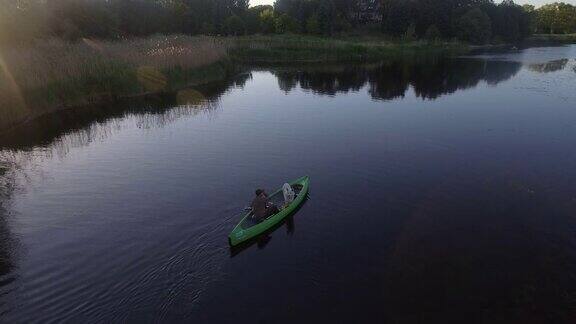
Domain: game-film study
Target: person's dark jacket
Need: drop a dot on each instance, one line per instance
(259, 205)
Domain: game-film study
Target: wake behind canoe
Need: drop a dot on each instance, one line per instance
(249, 227)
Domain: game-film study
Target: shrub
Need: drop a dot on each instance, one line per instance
(312, 25)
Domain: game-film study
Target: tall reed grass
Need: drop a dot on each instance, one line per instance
(51, 74)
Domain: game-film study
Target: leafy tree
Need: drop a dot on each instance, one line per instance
(546, 19)
(207, 29)
(510, 22)
(438, 13)
(341, 23)
(530, 16)
(430, 19)
(396, 16)
(267, 21)
(234, 25)
(252, 22)
(239, 7)
(300, 10)
(252, 18)
(312, 25)
(326, 13)
(474, 27)
(82, 18)
(141, 18)
(556, 18)
(287, 24)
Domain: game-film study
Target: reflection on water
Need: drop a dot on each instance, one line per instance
(83, 125)
(391, 80)
(455, 206)
(429, 78)
(551, 66)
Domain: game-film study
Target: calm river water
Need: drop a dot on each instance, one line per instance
(441, 190)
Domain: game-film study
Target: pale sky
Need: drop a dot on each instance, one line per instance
(537, 3)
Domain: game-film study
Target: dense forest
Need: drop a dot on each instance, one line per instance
(474, 21)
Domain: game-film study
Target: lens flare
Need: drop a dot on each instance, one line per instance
(13, 108)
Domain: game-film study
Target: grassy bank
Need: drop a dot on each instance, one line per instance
(298, 48)
(552, 39)
(52, 74)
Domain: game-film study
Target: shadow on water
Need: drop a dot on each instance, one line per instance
(263, 239)
(164, 108)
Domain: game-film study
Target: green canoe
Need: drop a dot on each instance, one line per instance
(249, 227)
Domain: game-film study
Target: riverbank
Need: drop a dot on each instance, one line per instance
(54, 75)
(552, 39)
(301, 49)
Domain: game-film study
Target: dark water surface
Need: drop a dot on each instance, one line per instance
(442, 190)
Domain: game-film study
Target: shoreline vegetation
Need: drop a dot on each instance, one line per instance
(313, 49)
(551, 39)
(52, 75)
(63, 54)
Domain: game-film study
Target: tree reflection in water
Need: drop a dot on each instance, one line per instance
(430, 78)
(551, 66)
(79, 126)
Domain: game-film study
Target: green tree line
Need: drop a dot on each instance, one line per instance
(554, 18)
(475, 21)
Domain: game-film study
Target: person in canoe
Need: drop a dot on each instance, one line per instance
(262, 207)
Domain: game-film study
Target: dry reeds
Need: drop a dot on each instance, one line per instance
(52, 73)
